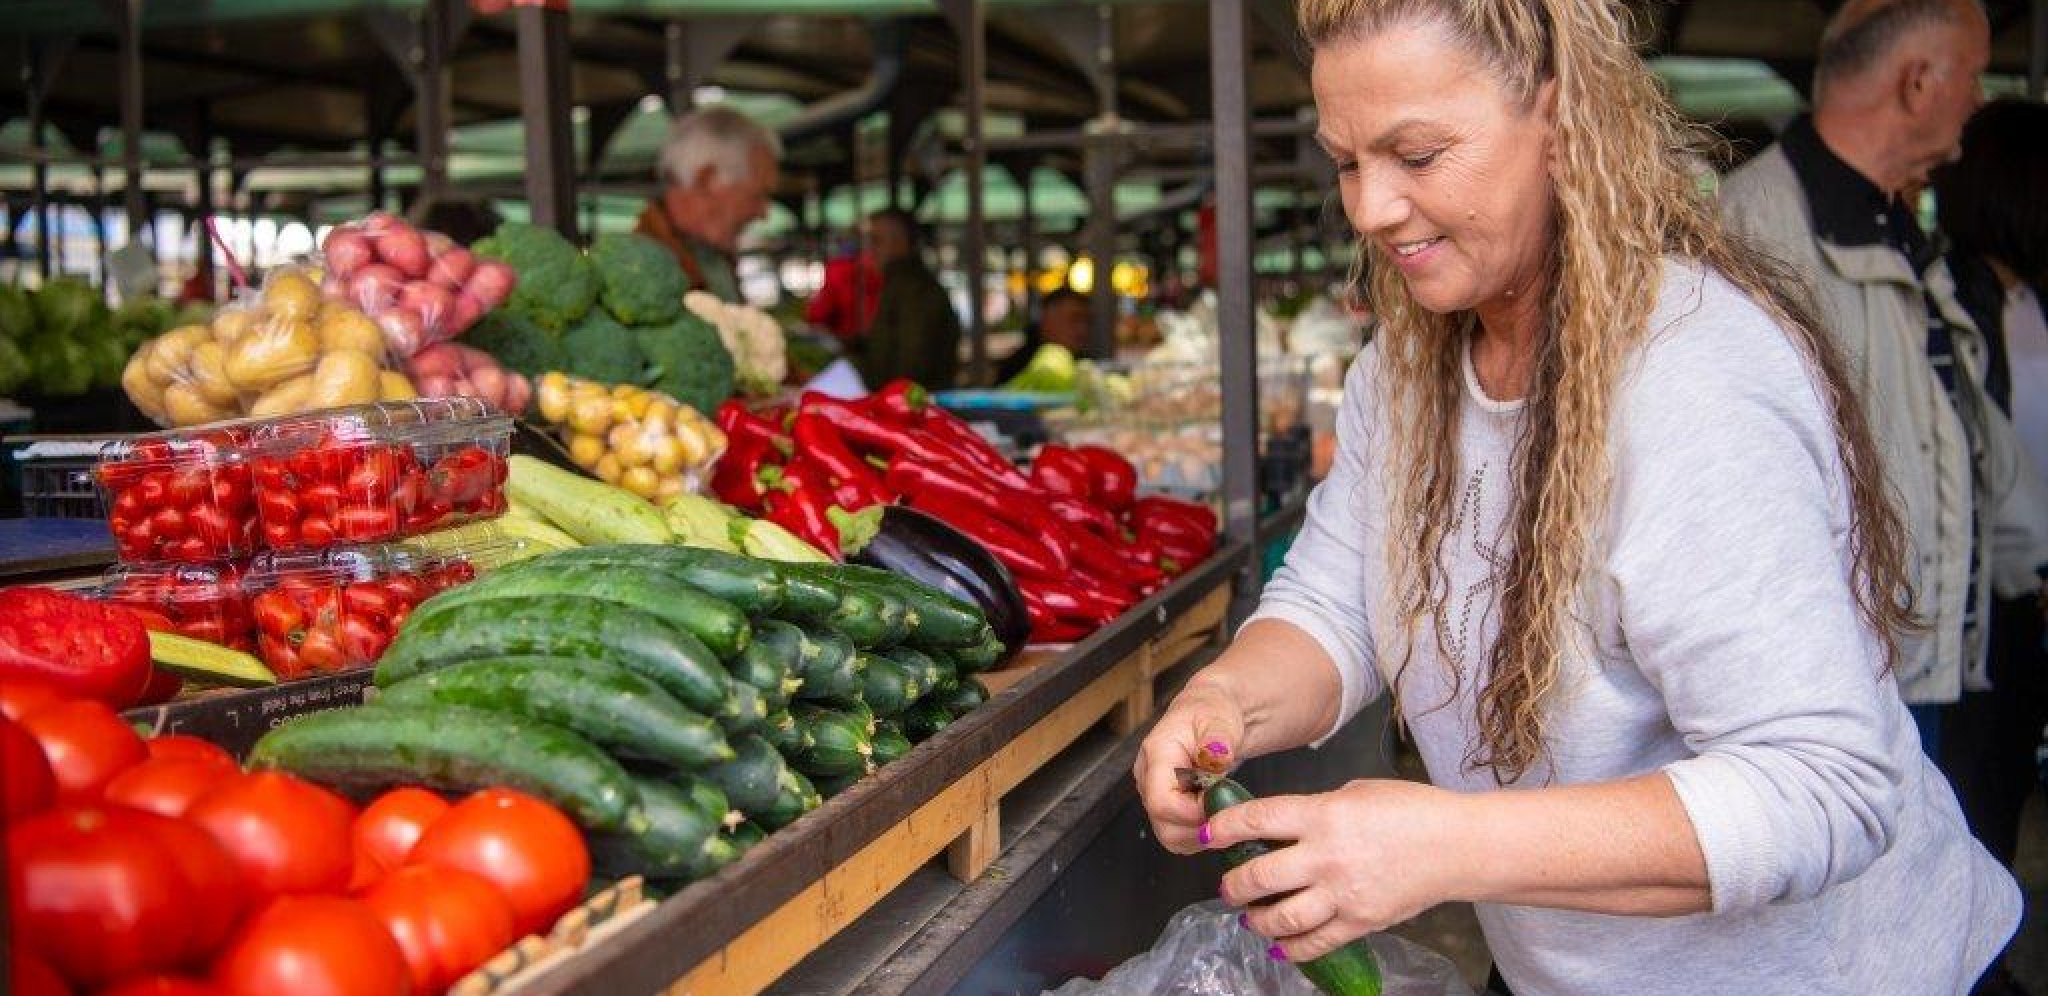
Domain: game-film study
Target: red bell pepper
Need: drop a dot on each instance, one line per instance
(1083, 515)
(1060, 471)
(801, 502)
(1176, 533)
(84, 648)
(981, 454)
(1022, 511)
(1160, 507)
(740, 424)
(736, 479)
(900, 402)
(853, 482)
(1110, 562)
(1027, 555)
(1111, 478)
(864, 431)
(1068, 604)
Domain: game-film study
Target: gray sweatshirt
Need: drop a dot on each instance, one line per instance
(1718, 642)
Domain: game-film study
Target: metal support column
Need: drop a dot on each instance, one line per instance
(1228, 55)
(2037, 53)
(969, 19)
(39, 70)
(1099, 167)
(544, 98)
(128, 21)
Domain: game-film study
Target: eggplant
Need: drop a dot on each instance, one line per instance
(926, 550)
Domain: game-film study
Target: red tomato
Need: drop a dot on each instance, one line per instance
(313, 946)
(28, 975)
(163, 686)
(286, 834)
(217, 897)
(368, 598)
(169, 523)
(446, 921)
(187, 746)
(321, 653)
(404, 589)
(389, 826)
(526, 847)
(462, 477)
(87, 649)
(168, 785)
(277, 614)
(362, 523)
(215, 528)
(189, 487)
(280, 535)
(21, 696)
(373, 478)
(87, 745)
(362, 640)
(97, 894)
(316, 530)
(281, 657)
(26, 785)
(163, 985)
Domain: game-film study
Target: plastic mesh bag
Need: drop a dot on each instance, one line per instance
(1203, 952)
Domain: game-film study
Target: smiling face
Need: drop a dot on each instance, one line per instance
(1441, 167)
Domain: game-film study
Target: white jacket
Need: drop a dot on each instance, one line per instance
(1943, 470)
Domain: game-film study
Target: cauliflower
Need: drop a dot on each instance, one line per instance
(556, 283)
(686, 361)
(755, 341)
(638, 280)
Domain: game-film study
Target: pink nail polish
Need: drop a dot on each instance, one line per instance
(1217, 747)
(1276, 954)
(1202, 834)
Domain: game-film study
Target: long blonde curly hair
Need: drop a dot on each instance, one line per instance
(1625, 198)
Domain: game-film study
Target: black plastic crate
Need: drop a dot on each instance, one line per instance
(56, 480)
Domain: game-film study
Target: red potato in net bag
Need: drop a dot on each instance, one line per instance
(489, 382)
(467, 310)
(374, 286)
(403, 334)
(347, 251)
(491, 283)
(518, 393)
(442, 359)
(404, 248)
(434, 304)
(438, 244)
(451, 269)
(377, 221)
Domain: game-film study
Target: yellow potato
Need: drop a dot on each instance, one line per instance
(671, 486)
(585, 450)
(663, 410)
(553, 394)
(607, 469)
(168, 359)
(393, 386)
(343, 327)
(591, 416)
(186, 406)
(628, 445)
(641, 481)
(147, 394)
(291, 294)
(624, 390)
(271, 354)
(714, 440)
(232, 323)
(344, 377)
(630, 408)
(208, 367)
(692, 443)
(666, 455)
(289, 396)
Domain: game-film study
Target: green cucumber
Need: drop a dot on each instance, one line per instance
(829, 667)
(928, 671)
(890, 743)
(965, 697)
(610, 706)
(748, 836)
(212, 663)
(582, 628)
(771, 662)
(923, 721)
(743, 711)
(721, 850)
(455, 749)
(839, 743)
(805, 599)
(794, 796)
(979, 656)
(1350, 970)
(676, 840)
(650, 589)
(942, 620)
(753, 778)
(887, 687)
(870, 617)
(753, 586)
(831, 785)
(782, 732)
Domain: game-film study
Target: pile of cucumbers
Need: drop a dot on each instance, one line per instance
(678, 703)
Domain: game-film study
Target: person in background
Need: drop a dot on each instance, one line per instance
(1062, 319)
(915, 333)
(1894, 83)
(717, 171)
(1992, 210)
(461, 219)
(845, 302)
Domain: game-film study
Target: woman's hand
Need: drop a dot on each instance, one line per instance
(1203, 728)
(1360, 859)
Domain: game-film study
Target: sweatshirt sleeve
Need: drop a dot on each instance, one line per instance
(1321, 588)
(1730, 556)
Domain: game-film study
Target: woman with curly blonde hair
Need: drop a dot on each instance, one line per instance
(1607, 524)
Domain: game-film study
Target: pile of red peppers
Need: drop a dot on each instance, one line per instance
(1082, 544)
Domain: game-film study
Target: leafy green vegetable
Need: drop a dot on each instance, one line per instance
(518, 343)
(62, 365)
(14, 367)
(639, 282)
(107, 356)
(17, 313)
(556, 284)
(68, 306)
(140, 319)
(602, 350)
(686, 361)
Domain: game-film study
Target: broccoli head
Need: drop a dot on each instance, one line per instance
(517, 342)
(638, 280)
(687, 362)
(556, 285)
(602, 350)
(17, 313)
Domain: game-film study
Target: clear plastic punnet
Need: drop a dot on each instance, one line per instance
(378, 472)
(203, 601)
(183, 495)
(327, 611)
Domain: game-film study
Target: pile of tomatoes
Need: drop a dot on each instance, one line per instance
(202, 601)
(159, 867)
(181, 502)
(312, 622)
(356, 492)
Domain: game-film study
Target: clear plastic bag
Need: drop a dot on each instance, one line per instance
(1203, 952)
(641, 440)
(451, 369)
(420, 287)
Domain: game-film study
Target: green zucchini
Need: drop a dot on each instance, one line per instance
(782, 732)
(979, 656)
(928, 672)
(923, 721)
(831, 785)
(743, 711)
(829, 668)
(678, 834)
(748, 836)
(869, 616)
(752, 779)
(710, 799)
(753, 586)
(887, 687)
(839, 743)
(455, 749)
(1350, 970)
(941, 619)
(650, 589)
(581, 628)
(608, 705)
(771, 661)
(794, 796)
(966, 696)
(889, 741)
(721, 850)
(805, 599)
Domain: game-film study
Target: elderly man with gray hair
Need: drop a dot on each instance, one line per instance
(717, 170)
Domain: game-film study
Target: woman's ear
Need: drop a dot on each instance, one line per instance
(1546, 113)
